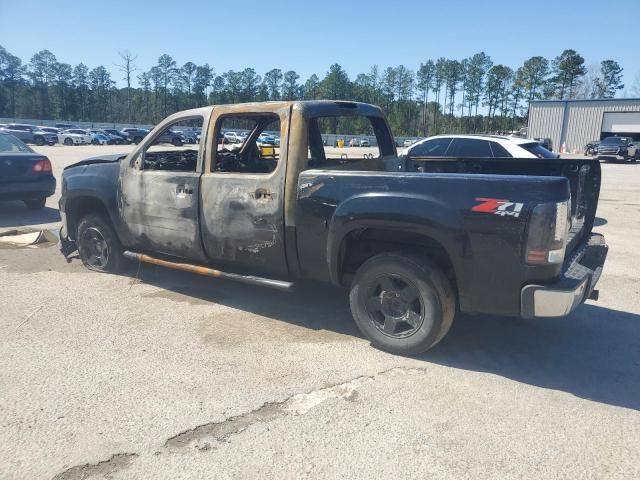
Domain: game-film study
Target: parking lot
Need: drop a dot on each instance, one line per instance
(163, 374)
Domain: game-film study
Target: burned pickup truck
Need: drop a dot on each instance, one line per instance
(414, 240)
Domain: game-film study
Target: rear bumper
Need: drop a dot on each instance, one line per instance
(25, 190)
(580, 274)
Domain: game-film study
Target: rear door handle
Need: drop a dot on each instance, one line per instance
(184, 190)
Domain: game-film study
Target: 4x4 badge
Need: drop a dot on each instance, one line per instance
(498, 207)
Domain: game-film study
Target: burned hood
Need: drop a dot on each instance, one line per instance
(100, 159)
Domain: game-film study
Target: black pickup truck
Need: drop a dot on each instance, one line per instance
(414, 240)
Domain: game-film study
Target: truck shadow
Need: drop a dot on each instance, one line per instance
(16, 214)
(593, 354)
(312, 306)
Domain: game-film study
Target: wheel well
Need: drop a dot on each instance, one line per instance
(81, 207)
(360, 245)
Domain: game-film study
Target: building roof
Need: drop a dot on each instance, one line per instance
(576, 100)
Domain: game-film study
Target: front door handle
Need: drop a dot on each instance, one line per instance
(262, 194)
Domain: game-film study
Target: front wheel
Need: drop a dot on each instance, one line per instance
(98, 245)
(402, 304)
(39, 141)
(68, 142)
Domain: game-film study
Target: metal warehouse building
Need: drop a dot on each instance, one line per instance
(571, 124)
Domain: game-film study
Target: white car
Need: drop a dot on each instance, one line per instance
(478, 146)
(66, 138)
(233, 137)
(84, 134)
(408, 142)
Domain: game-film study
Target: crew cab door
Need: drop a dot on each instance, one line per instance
(242, 215)
(159, 192)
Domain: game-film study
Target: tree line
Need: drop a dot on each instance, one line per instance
(442, 95)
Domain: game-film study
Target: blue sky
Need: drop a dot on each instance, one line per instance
(308, 36)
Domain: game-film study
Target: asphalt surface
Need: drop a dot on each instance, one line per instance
(161, 374)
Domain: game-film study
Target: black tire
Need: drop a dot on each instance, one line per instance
(177, 142)
(410, 294)
(98, 245)
(39, 141)
(35, 203)
(137, 140)
(68, 142)
(95, 142)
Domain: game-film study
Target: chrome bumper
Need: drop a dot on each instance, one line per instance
(580, 275)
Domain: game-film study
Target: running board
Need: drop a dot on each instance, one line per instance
(210, 272)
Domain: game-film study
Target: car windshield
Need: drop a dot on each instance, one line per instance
(10, 144)
(613, 141)
(538, 150)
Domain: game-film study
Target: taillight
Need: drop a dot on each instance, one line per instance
(42, 166)
(548, 233)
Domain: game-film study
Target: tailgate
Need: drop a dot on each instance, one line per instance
(584, 179)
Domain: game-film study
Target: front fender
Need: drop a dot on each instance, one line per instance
(401, 212)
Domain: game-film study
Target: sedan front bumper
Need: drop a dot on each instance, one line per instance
(580, 274)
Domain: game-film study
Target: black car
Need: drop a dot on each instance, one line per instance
(169, 136)
(618, 148)
(115, 133)
(24, 174)
(133, 135)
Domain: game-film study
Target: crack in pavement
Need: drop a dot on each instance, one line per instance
(295, 405)
(116, 462)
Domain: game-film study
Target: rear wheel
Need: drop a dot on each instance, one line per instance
(39, 141)
(35, 203)
(402, 304)
(98, 245)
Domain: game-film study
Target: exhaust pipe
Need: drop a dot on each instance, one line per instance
(210, 272)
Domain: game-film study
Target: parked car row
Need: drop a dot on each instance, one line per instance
(359, 142)
(30, 134)
(69, 135)
(265, 138)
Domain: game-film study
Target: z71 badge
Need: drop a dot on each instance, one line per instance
(498, 207)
